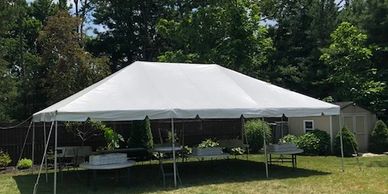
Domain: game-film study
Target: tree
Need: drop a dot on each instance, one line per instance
(18, 57)
(227, 33)
(42, 9)
(378, 141)
(349, 142)
(8, 92)
(70, 68)
(351, 70)
(255, 129)
(371, 18)
(140, 134)
(131, 30)
(301, 28)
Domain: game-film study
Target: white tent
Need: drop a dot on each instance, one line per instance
(179, 90)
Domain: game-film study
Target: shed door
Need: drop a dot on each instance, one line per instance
(357, 123)
(361, 132)
(348, 122)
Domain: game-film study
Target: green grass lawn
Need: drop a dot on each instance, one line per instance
(313, 175)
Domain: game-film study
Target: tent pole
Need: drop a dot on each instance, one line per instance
(282, 126)
(265, 148)
(42, 162)
(342, 145)
(45, 154)
(55, 156)
(173, 149)
(33, 147)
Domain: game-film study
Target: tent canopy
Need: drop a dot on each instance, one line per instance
(179, 90)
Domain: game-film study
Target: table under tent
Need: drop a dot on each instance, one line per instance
(178, 91)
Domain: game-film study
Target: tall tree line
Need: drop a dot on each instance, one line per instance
(332, 50)
(42, 59)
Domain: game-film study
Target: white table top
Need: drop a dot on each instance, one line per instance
(126, 164)
(167, 149)
(297, 151)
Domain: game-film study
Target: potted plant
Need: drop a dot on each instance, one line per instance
(207, 147)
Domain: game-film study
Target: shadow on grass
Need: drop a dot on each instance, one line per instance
(378, 164)
(147, 178)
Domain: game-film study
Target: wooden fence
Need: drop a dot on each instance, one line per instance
(190, 132)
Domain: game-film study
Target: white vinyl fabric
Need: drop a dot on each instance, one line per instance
(179, 90)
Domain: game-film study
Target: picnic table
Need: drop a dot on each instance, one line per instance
(284, 151)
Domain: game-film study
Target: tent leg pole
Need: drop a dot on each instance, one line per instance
(55, 157)
(265, 148)
(173, 150)
(342, 145)
(42, 162)
(45, 154)
(33, 147)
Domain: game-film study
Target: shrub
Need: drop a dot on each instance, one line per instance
(324, 141)
(140, 134)
(378, 141)
(112, 138)
(309, 143)
(208, 143)
(254, 130)
(237, 151)
(349, 143)
(24, 164)
(316, 142)
(289, 139)
(5, 159)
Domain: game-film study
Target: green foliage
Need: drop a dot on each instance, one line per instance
(254, 130)
(309, 143)
(71, 68)
(112, 138)
(350, 145)
(5, 159)
(84, 130)
(208, 143)
(89, 129)
(24, 163)
(370, 17)
(378, 141)
(324, 142)
(315, 142)
(237, 151)
(169, 137)
(351, 70)
(140, 134)
(8, 93)
(223, 32)
(289, 139)
(132, 29)
(300, 30)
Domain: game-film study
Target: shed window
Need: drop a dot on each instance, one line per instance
(308, 125)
